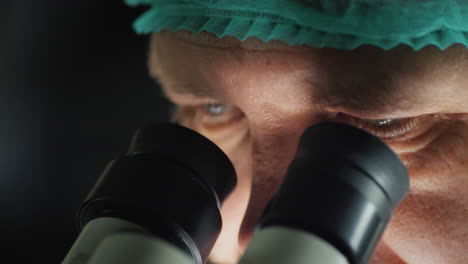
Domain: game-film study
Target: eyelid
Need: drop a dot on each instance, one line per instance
(403, 127)
(188, 99)
(198, 115)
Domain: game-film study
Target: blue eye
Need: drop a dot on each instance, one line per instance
(217, 109)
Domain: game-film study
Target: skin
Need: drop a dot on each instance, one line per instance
(273, 92)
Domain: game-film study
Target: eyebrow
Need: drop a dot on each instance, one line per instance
(344, 102)
(332, 98)
(177, 85)
(189, 88)
(185, 88)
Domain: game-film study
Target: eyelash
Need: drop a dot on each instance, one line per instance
(395, 128)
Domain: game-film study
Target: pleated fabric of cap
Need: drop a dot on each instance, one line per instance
(342, 24)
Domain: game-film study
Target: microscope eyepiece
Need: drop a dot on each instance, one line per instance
(341, 189)
(172, 182)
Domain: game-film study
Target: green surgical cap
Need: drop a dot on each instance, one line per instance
(343, 24)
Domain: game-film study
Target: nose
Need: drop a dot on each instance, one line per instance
(275, 135)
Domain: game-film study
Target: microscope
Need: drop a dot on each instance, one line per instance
(160, 203)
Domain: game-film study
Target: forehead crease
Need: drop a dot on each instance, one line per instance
(338, 87)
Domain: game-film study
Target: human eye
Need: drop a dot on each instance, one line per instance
(208, 115)
(217, 113)
(387, 128)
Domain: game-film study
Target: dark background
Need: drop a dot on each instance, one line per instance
(73, 88)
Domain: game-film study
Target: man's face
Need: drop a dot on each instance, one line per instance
(255, 99)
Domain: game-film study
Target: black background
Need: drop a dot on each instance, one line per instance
(73, 88)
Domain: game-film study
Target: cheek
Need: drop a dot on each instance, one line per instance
(433, 217)
(443, 161)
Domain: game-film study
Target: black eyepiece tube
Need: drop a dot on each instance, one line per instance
(342, 186)
(172, 182)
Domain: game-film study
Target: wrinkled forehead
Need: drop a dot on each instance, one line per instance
(395, 75)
